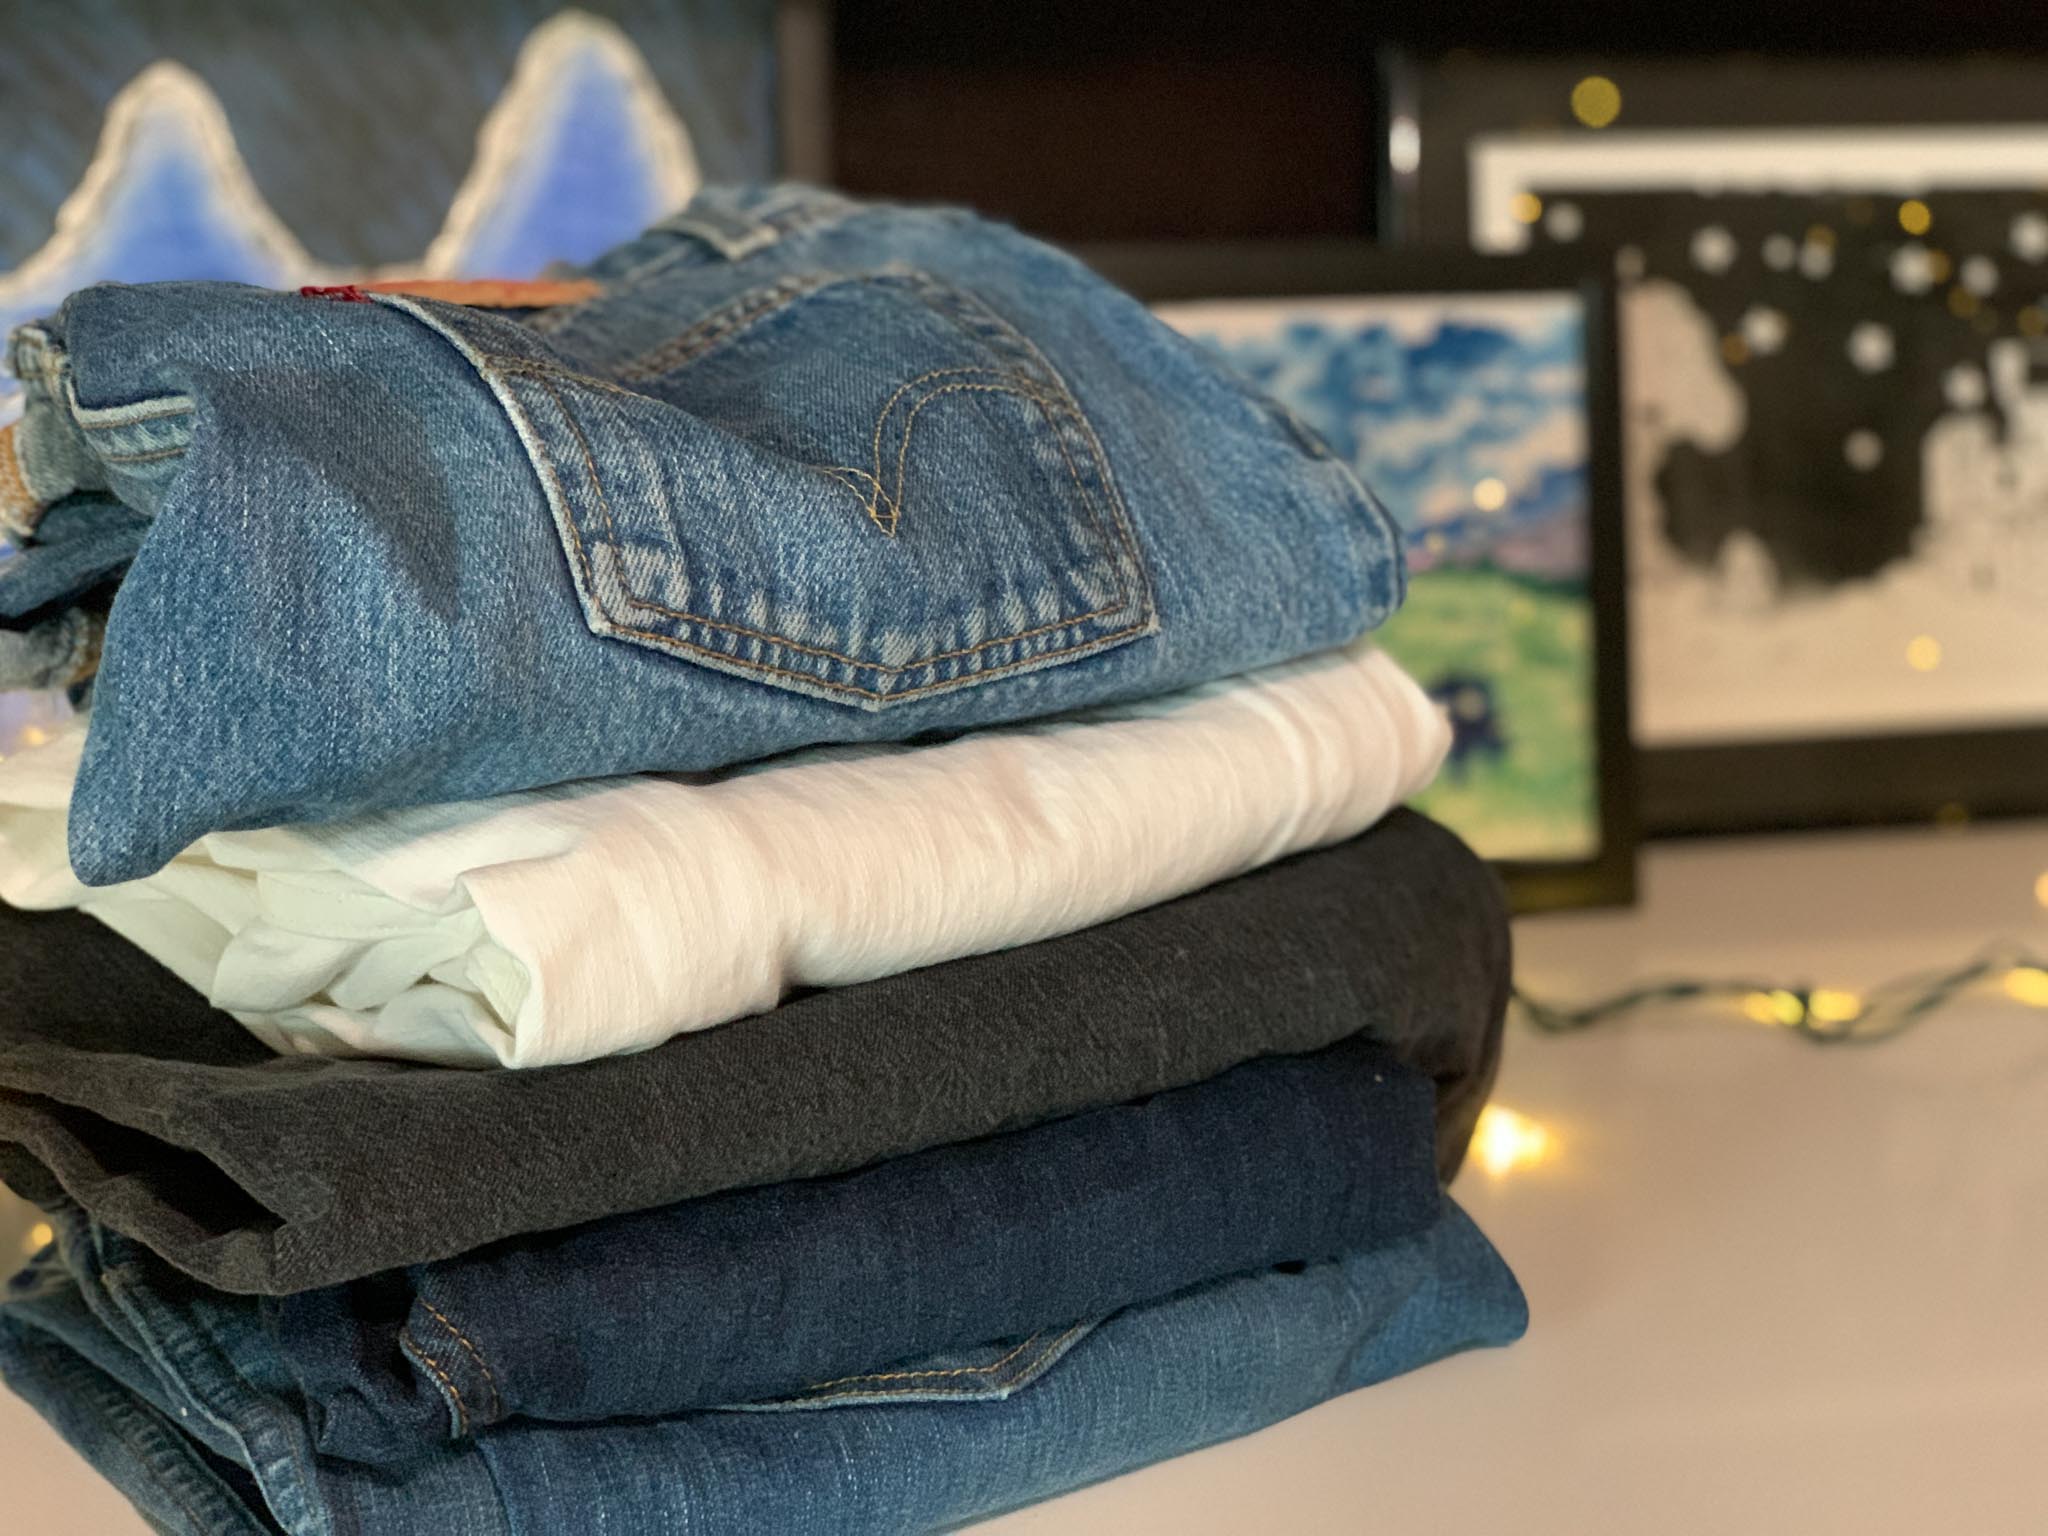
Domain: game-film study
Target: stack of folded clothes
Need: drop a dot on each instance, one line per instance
(759, 889)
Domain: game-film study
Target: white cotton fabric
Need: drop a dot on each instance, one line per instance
(591, 919)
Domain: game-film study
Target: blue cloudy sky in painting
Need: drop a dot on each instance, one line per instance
(1466, 414)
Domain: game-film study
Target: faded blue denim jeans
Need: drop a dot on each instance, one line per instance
(176, 1395)
(806, 470)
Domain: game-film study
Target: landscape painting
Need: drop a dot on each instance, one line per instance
(395, 139)
(1467, 415)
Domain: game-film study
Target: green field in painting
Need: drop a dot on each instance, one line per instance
(1533, 643)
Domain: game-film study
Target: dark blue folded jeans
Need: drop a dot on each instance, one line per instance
(177, 1394)
(762, 1292)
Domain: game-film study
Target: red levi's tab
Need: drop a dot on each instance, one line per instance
(479, 293)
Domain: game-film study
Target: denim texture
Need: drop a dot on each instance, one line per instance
(806, 471)
(170, 1389)
(84, 542)
(261, 1173)
(759, 1292)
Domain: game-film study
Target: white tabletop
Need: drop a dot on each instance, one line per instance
(1774, 1287)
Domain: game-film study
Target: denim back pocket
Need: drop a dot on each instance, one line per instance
(864, 487)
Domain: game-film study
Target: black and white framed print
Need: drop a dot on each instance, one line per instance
(1835, 354)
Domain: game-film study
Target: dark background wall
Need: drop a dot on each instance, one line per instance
(1129, 119)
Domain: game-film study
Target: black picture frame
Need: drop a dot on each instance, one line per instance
(1431, 112)
(1183, 271)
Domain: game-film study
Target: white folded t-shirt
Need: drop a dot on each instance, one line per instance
(563, 924)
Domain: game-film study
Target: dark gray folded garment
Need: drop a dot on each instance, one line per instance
(258, 1173)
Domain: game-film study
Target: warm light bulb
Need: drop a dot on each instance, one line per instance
(2027, 984)
(1505, 1141)
(1490, 495)
(1831, 1005)
(2041, 889)
(1527, 207)
(37, 1238)
(1759, 1009)
(1596, 101)
(1914, 217)
(1923, 653)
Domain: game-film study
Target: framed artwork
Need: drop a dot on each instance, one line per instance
(1477, 399)
(221, 139)
(1835, 345)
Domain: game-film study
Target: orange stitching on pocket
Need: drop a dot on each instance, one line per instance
(903, 453)
(1060, 398)
(497, 1402)
(869, 499)
(604, 502)
(144, 458)
(879, 498)
(545, 377)
(411, 1346)
(1120, 515)
(889, 406)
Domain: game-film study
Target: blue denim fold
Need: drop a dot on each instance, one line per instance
(760, 1292)
(82, 542)
(806, 470)
(170, 1389)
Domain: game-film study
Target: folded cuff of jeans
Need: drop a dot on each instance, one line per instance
(453, 1366)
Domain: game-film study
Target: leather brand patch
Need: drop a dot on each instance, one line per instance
(478, 293)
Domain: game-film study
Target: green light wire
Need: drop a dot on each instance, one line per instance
(1882, 1013)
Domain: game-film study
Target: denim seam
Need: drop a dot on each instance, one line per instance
(459, 1409)
(965, 1370)
(881, 421)
(469, 1348)
(747, 310)
(959, 1370)
(1120, 514)
(139, 1303)
(127, 421)
(748, 232)
(144, 458)
(604, 503)
(873, 502)
(119, 1416)
(903, 457)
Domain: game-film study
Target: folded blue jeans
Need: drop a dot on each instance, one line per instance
(759, 1292)
(176, 1394)
(804, 470)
